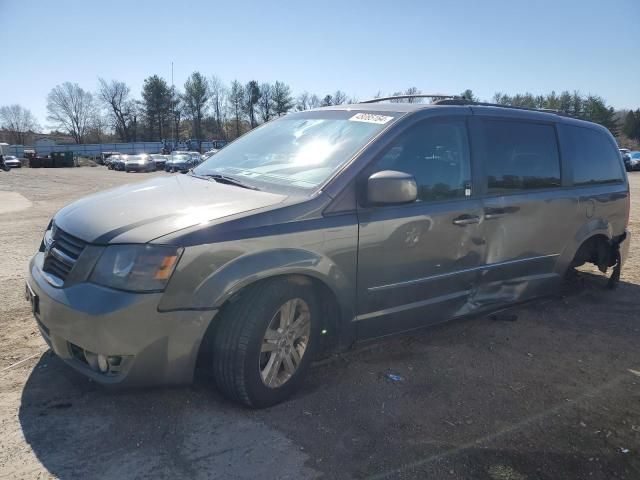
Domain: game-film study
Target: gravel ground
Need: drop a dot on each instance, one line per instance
(554, 394)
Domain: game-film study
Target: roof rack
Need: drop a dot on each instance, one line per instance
(437, 96)
(441, 99)
(464, 101)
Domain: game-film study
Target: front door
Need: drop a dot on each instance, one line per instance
(417, 263)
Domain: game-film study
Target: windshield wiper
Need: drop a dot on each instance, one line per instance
(218, 177)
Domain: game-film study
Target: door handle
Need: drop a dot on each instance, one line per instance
(463, 220)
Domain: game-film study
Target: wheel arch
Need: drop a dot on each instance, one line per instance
(334, 287)
(337, 331)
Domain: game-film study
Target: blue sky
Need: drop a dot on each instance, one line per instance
(360, 47)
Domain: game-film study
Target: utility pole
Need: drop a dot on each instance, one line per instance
(173, 122)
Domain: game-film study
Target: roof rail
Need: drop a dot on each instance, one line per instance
(464, 101)
(437, 96)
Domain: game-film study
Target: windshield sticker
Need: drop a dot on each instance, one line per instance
(371, 118)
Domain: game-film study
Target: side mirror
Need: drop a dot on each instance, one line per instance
(390, 188)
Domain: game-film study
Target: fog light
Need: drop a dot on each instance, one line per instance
(103, 363)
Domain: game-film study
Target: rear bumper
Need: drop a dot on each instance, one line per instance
(625, 244)
(143, 346)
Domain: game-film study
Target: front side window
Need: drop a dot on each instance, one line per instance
(436, 153)
(520, 156)
(595, 160)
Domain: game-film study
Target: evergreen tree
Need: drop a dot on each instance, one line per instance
(156, 106)
(631, 127)
(282, 99)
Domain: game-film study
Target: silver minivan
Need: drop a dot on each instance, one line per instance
(324, 228)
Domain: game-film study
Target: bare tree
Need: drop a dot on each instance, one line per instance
(114, 96)
(196, 95)
(218, 95)
(18, 121)
(302, 102)
(236, 101)
(408, 91)
(265, 105)
(177, 110)
(339, 97)
(71, 109)
(98, 126)
(413, 91)
(314, 101)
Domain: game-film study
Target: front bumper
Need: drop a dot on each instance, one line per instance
(144, 346)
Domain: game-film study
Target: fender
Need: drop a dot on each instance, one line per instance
(231, 277)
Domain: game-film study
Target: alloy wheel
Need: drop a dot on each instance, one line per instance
(284, 343)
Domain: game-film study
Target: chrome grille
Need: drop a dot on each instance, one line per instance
(61, 251)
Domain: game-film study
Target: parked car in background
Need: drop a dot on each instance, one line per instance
(626, 158)
(105, 156)
(160, 160)
(181, 162)
(110, 161)
(140, 163)
(323, 228)
(196, 157)
(176, 155)
(120, 162)
(12, 161)
(634, 160)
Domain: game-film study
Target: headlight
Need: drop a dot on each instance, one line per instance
(136, 268)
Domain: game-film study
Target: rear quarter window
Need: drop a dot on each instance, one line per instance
(595, 160)
(520, 156)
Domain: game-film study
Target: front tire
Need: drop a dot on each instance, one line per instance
(265, 341)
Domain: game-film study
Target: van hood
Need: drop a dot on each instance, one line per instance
(141, 212)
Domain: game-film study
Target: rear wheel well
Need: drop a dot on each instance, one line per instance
(596, 250)
(327, 300)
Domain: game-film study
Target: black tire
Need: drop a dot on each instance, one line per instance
(238, 340)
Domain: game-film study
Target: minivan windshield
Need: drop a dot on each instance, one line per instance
(299, 151)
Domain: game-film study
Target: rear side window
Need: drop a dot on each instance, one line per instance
(596, 160)
(520, 156)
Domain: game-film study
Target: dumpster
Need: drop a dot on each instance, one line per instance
(68, 160)
(47, 162)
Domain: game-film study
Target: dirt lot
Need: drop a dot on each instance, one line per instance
(553, 395)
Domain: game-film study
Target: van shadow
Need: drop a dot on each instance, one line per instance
(462, 381)
(78, 429)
